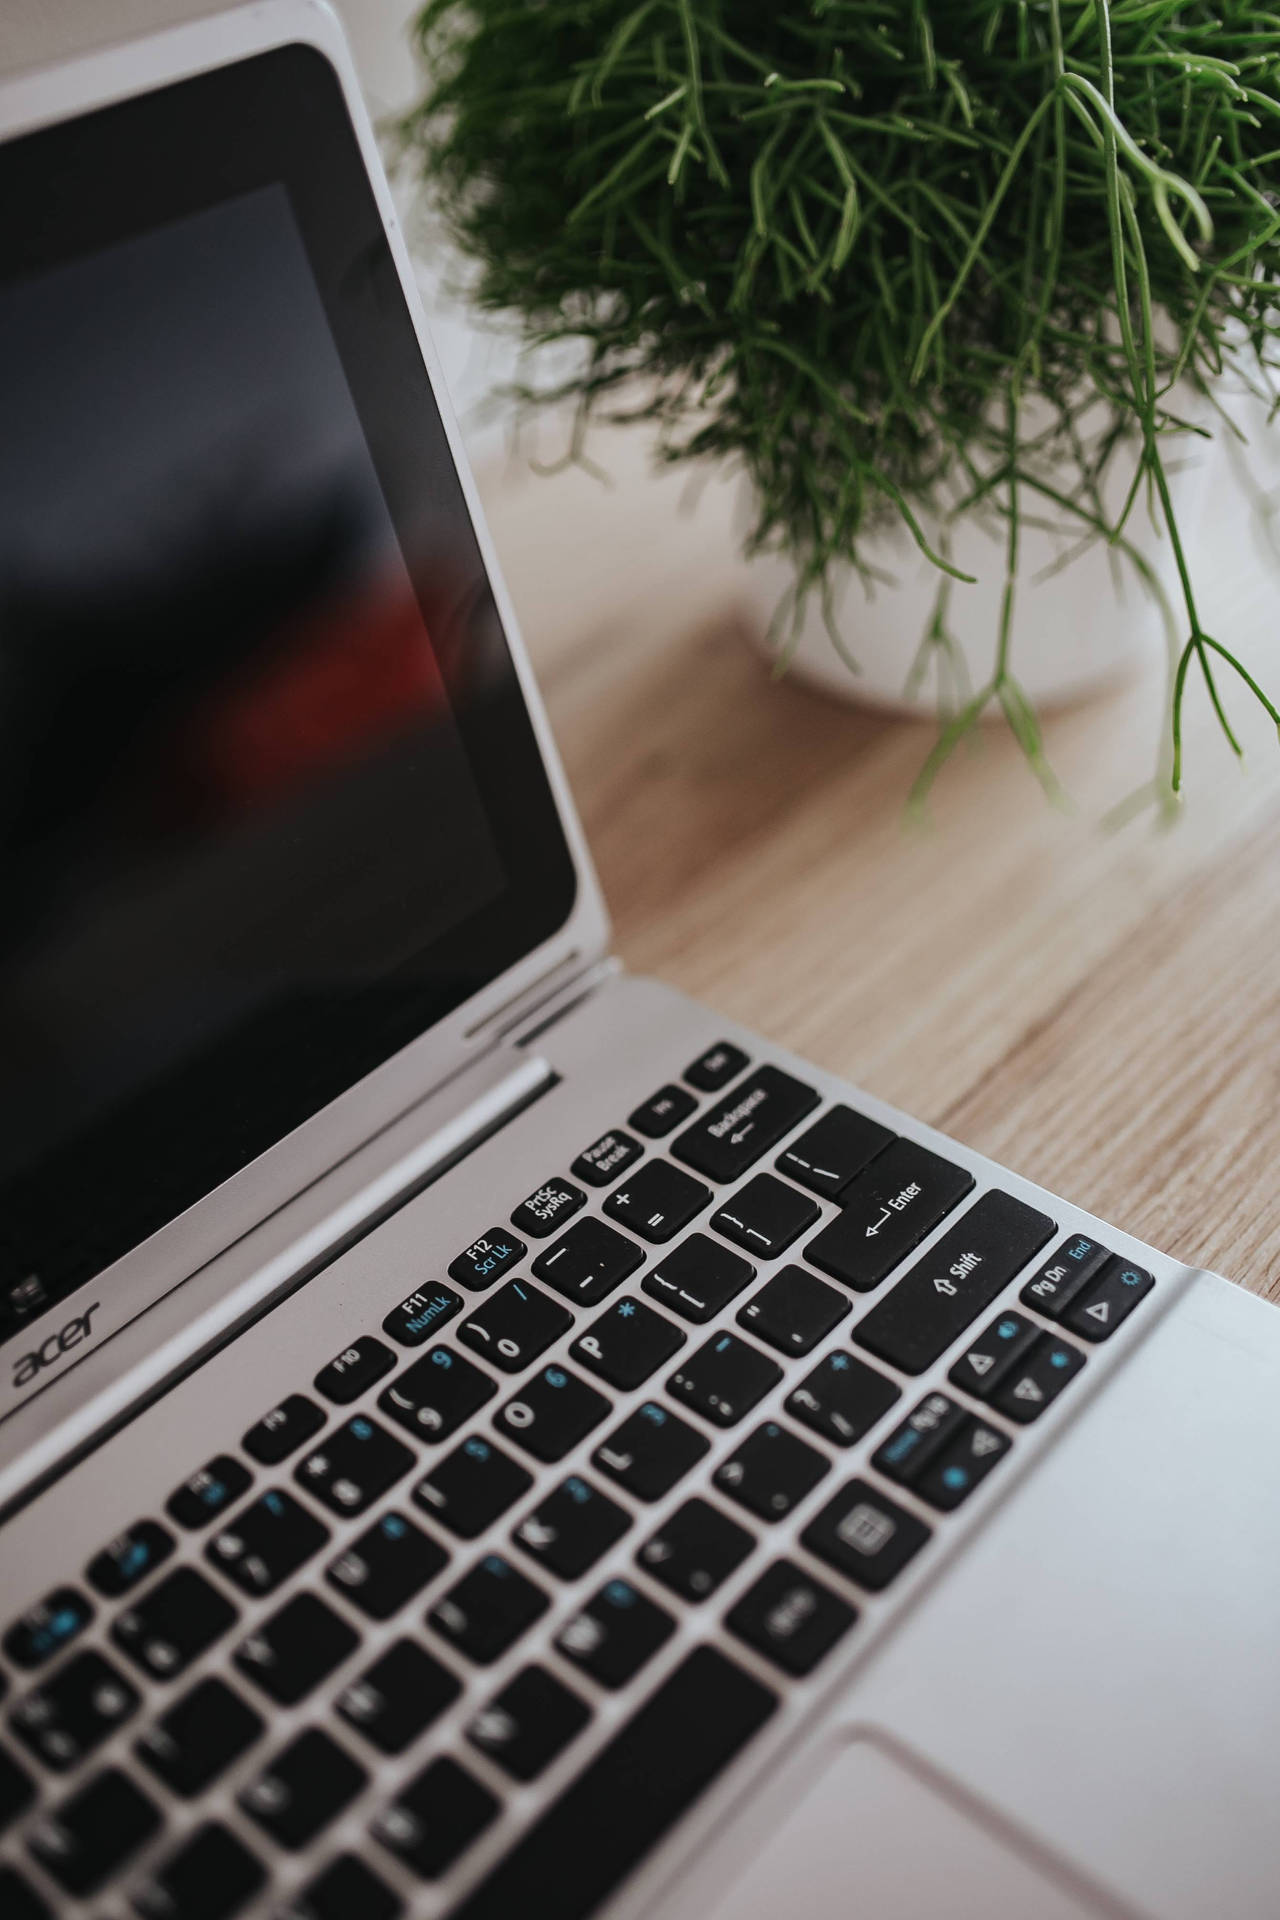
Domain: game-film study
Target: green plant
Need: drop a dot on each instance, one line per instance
(895, 256)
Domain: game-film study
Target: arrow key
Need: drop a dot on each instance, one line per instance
(1115, 1293)
(1032, 1386)
(991, 1357)
(963, 1465)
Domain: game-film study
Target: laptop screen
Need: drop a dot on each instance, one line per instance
(270, 804)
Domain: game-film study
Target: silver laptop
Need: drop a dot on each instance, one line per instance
(480, 1435)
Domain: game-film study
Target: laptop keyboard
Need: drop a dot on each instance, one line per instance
(306, 1609)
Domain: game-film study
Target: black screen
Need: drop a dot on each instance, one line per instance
(269, 800)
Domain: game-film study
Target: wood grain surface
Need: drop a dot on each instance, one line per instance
(1099, 1009)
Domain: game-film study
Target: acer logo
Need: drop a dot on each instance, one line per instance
(26, 1369)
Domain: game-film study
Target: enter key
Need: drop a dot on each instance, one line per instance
(887, 1211)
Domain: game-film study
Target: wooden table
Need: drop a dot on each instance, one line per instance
(1099, 1009)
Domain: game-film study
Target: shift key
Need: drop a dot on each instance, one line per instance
(888, 1210)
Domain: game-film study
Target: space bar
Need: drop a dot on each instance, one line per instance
(632, 1793)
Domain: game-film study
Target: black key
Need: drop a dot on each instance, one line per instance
(19, 1899)
(791, 1618)
(615, 1633)
(698, 1278)
(716, 1067)
(74, 1711)
(924, 1433)
(695, 1550)
(357, 1462)
(657, 1200)
(554, 1202)
(732, 1135)
(662, 1111)
(437, 1394)
(515, 1325)
(470, 1487)
(552, 1412)
(842, 1398)
(628, 1343)
(571, 1528)
(386, 1566)
(765, 1216)
(630, 1796)
(398, 1697)
(771, 1472)
(1111, 1298)
(487, 1259)
(265, 1543)
(281, 1431)
(793, 1311)
(303, 1789)
(351, 1372)
(421, 1315)
(866, 1535)
(435, 1818)
(129, 1558)
(1035, 1383)
(199, 1737)
(17, 1791)
(650, 1451)
(488, 1609)
(607, 1158)
(211, 1877)
(85, 1840)
(993, 1354)
(829, 1155)
(588, 1262)
(48, 1627)
(529, 1724)
(724, 1379)
(346, 1890)
(298, 1647)
(887, 1211)
(962, 1465)
(1061, 1278)
(173, 1623)
(200, 1500)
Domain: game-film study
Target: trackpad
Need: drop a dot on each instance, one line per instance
(872, 1839)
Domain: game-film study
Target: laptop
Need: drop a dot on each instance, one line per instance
(481, 1435)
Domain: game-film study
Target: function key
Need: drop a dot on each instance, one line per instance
(1101, 1307)
(554, 1202)
(173, 1623)
(842, 1398)
(298, 1647)
(488, 1610)
(605, 1159)
(1036, 1381)
(695, 1550)
(434, 1396)
(887, 1211)
(657, 1201)
(487, 1258)
(421, 1315)
(866, 1535)
(793, 1311)
(650, 1451)
(75, 1711)
(353, 1370)
(199, 1737)
(346, 1890)
(211, 1875)
(129, 1558)
(571, 1528)
(924, 1432)
(270, 1539)
(382, 1570)
(790, 1618)
(993, 1353)
(47, 1628)
(716, 1067)
(588, 1262)
(627, 1343)
(435, 1818)
(529, 1724)
(615, 1633)
(514, 1325)
(962, 1465)
(829, 1155)
(472, 1486)
(17, 1791)
(771, 1472)
(698, 1278)
(398, 1697)
(765, 1216)
(85, 1840)
(304, 1788)
(661, 1111)
(956, 1280)
(357, 1462)
(285, 1428)
(552, 1412)
(1060, 1279)
(732, 1135)
(19, 1899)
(724, 1379)
(206, 1494)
